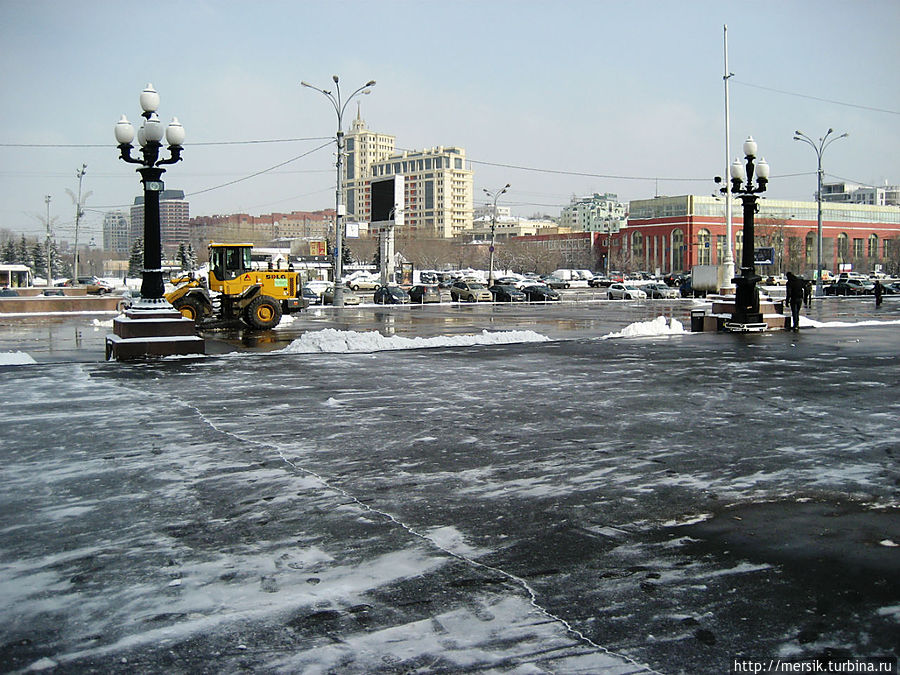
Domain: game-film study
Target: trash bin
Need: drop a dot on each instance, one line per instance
(697, 316)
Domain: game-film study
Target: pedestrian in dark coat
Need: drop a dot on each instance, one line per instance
(879, 292)
(807, 293)
(794, 291)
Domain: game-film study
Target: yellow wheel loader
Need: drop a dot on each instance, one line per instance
(235, 292)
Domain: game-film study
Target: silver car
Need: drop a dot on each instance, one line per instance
(620, 291)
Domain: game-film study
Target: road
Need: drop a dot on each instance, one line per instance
(577, 505)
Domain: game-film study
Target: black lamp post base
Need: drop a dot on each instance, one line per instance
(153, 329)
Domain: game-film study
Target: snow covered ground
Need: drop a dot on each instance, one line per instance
(632, 500)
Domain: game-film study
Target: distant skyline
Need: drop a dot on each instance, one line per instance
(557, 99)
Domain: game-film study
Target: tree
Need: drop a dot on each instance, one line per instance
(9, 252)
(191, 257)
(136, 260)
(181, 256)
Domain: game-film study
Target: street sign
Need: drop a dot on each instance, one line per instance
(765, 255)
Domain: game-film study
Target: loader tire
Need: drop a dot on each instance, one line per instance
(189, 308)
(263, 313)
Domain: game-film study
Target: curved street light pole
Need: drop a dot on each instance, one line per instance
(340, 209)
(819, 149)
(495, 197)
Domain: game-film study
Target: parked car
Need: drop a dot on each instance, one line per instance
(310, 296)
(470, 291)
(318, 287)
(506, 293)
(620, 291)
(93, 285)
(9, 293)
(540, 293)
(555, 282)
(391, 295)
(660, 290)
(423, 293)
(348, 298)
(53, 292)
(600, 281)
(364, 284)
(850, 287)
(129, 297)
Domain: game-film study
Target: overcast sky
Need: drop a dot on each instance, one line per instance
(630, 93)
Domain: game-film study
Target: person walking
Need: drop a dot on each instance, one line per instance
(879, 292)
(794, 291)
(807, 292)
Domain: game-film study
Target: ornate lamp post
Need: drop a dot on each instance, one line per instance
(149, 136)
(340, 209)
(746, 315)
(819, 149)
(495, 196)
(151, 327)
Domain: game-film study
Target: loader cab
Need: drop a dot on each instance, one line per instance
(228, 261)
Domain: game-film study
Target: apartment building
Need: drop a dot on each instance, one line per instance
(116, 232)
(596, 213)
(174, 213)
(850, 193)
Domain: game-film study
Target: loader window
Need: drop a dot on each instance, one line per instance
(229, 262)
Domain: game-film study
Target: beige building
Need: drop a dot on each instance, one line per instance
(437, 183)
(507, 227)
(437, 190)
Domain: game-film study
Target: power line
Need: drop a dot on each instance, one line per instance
(108, 145)
(818, 98)
(581, 173)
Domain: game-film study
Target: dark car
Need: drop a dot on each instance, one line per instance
(310, 296)
(850, 287)
(8, 293)
(423, 293)
(540, 293)
(506, 293)
(53, 292)
(599, 281)
(391, 295)
(555, 282)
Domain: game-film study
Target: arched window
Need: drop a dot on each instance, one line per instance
(703, 247)
(811, 248)
(637, 245)
(843, 247)
(873, 245)
(677, 250)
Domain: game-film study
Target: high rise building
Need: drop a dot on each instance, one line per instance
(173, 220)
(116, 232)
(362, 149)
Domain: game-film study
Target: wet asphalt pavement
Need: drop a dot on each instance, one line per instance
(579, 505)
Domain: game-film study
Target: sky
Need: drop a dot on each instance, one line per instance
(556, 98)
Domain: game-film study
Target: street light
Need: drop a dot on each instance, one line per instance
(819, 149)
(340, 209)
(495, 196)
(149, 136)
(746, 315)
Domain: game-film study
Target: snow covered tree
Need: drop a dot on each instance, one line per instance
(181, 256)
(39, 256)
(9, 252)
(191, 257)
(136, 260)
(23, 255)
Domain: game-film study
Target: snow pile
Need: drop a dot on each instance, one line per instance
(338, 341)
(98, 324)
(806, 322)
(655, 328)
(15, 359)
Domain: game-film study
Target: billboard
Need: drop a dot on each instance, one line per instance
(387, 199)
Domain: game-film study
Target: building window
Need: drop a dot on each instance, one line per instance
(703, 247)
(677, 250)
(843, 247)
(873, 246)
